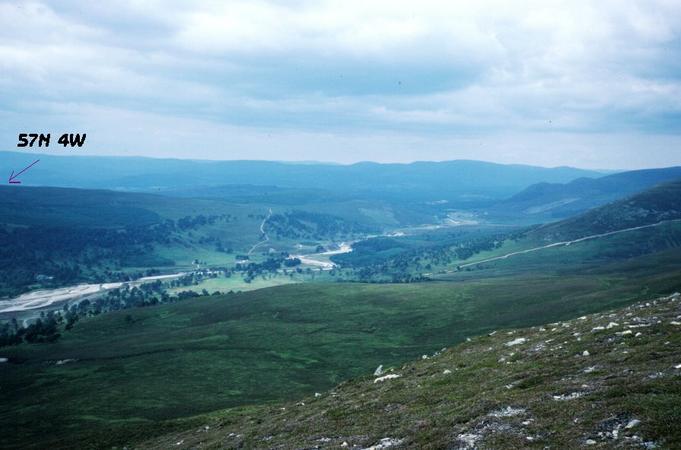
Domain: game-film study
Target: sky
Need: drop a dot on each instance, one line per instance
(593, 84)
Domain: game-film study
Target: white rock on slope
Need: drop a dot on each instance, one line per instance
(632, 423)
(516, 341)
(386, 377)
(385, 443)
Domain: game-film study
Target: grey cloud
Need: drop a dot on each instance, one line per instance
(370, 74)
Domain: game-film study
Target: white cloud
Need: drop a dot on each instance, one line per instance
(430, 71)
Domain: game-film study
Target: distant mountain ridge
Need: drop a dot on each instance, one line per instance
(461, 180)
(546, 201)
(660, 203)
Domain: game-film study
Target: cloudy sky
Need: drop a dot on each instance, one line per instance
(593, 84)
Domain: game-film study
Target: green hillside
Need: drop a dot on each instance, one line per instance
(76, 235)
(654, 205)
(646, 223)
(131, 375)
(81, 235)
(551, 201)
(608, 380)
(122, 375)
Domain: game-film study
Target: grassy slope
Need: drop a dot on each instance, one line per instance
(486, 394)
(273, 344)
(660, 203)
(655, 242)
(650, 207)
(550, 201)
(102, 209)
(578, 256)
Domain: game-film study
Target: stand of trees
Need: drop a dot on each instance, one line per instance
(45, 329)
(60, 255)
(396, 260)
(308, 225)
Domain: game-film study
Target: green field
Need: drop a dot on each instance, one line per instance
(236, 283)
(134, 369)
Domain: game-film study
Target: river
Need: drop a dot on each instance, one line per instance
(322, 260)
(44, 298)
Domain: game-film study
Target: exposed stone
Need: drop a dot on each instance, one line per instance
(516, 341)
(632, 423)
(385, 443)
(387, 377)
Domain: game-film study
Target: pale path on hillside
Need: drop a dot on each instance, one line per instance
(566, 243)
(265, 238)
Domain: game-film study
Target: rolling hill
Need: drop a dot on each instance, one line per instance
(645, 223)
(96, 235)
(550, 201)
(74, 235)
(129, 375)
(465, 182)
(132, 375)
(660, 203)
(27, 206)
(71, 235)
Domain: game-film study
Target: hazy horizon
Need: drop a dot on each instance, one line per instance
(39, 153)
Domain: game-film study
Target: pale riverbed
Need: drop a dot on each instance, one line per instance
(322, 260)
(47, 297)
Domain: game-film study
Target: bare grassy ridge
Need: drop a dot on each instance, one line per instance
(607, 380)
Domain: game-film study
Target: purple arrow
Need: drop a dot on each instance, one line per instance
(13, 176)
